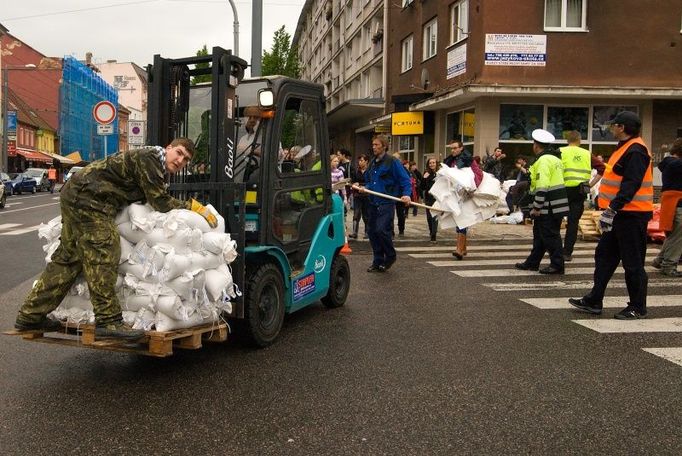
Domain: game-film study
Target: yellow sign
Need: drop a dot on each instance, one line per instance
(407, 123)
(382, 129)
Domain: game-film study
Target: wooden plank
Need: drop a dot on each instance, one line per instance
(191, 342)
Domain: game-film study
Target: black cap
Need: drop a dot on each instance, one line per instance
(627, 119)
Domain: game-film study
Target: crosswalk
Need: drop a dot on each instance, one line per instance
(495, 260)
(11, 229)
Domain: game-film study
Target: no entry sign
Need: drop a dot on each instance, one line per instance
(104, 112)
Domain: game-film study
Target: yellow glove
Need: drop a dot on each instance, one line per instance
(204, 212)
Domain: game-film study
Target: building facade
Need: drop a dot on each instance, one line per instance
(341, 46)
(490, 72)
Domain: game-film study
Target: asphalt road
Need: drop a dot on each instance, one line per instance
(419, 361)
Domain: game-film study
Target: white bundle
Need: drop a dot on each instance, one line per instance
(51, 230)
(173, 271)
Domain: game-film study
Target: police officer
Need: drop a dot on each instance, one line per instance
(385, 175)
(577, 173)
(626, 194)
(550, 205)
(90, 242)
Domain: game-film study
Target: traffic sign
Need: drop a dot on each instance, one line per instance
(136, 132)
(104, 112)
(105, 129)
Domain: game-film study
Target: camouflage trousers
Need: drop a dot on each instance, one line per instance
(88, 244)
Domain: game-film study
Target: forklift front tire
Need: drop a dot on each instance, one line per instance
(339, 283)
(264, 305)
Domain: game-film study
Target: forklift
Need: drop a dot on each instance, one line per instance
(262, 161)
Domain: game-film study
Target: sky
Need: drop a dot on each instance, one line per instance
(135, 30)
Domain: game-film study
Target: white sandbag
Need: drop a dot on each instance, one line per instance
(72, 301)
(50, 249)
(126, 249)
(129, 317)
(182, 285)
(50, 230)
(140, 217)
(133, 235)
(173, 307)
(206, 260)
(184, 218)
(151, 258)
(144, 320)
(138, 270)
(119, 282)
(73, 316)
(165, 323)
(135, 302)
(219, 283)
(122, 216)
(220, 244)
(183, 241)
(174, 265)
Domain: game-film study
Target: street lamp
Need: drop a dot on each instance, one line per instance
(236, 28)
(5, 106)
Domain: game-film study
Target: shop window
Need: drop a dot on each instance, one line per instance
(566, 15)
(561, 120)
(407, 147)
(460, 125)
(601, 116)
(518, 121)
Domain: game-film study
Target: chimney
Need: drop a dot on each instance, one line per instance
(88, 58)
(111, 61)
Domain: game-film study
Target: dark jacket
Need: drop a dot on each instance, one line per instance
(426, 184)
(387, 176)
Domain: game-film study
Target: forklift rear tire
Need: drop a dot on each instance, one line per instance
(264, 305)
(339, 283)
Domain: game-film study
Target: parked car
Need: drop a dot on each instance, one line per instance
(21, 182)
(72, 171)
(3, 197)
(40, 175)
(6, 183)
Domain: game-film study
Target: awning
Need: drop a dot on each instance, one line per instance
(60, 159)
(34, 156)
(354, 110)
(75, 157)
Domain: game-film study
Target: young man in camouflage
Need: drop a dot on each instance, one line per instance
(90, 242)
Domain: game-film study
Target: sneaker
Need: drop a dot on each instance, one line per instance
(630, 313)
(376, 268)
(525, 267)
(671, 272)
(656, 263)
(118, 330)
(585, 306)
(45, 325)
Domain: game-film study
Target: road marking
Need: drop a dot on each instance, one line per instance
(508, 262)
(633, 326)
(29, 208)
(673, 354)
(13, 204)
(6, 226)
(518, 272)
(571, 285)
(20, 231)
(609, 301)
(479, 254)
(469, 248)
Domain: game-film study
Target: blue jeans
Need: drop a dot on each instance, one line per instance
(380, 227)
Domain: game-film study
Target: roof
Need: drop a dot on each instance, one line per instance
(25, 113)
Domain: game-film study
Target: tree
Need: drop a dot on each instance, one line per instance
(202, 77)
(282, 58)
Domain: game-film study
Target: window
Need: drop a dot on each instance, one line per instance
(459, 21)
(566, 15)
(601, 115)
(518, 121)
(460, 125)
(407, 54)
(562, 119)
(430, 39)
(407, 146)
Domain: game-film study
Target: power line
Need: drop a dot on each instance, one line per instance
(18, 18)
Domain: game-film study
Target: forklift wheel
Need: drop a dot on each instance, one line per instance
(339, 283)
(264, 305)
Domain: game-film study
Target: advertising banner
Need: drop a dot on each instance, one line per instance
(515, 50)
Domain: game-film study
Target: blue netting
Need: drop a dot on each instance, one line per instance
(81, 89)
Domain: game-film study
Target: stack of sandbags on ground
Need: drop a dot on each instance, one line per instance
(173, 270)
(466, 204)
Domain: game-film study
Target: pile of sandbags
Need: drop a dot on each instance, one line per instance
(466, 204)
(173, 273)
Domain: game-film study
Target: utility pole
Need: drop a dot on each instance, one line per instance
(235, 51)
(256, 37)
(5, 92)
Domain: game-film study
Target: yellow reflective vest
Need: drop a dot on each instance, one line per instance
(577, 165)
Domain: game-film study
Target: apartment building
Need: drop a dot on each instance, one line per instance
(341, 46)
(488, 72)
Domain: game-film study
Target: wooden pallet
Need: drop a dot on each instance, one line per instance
(154, 343)
(588, 225)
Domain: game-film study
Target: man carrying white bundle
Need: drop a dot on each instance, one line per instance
(90, 241)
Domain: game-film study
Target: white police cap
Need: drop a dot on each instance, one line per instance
(542, 136)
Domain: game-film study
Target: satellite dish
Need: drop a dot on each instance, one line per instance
(425, 80)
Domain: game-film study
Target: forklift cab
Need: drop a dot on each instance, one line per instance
(261, 160)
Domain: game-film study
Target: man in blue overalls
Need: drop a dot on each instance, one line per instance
(385, 175)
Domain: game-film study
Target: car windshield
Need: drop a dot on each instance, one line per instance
(34, 172)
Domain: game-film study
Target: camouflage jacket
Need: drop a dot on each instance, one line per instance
(106, 186)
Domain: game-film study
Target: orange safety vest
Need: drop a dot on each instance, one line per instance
(643, 201)
(51, 174)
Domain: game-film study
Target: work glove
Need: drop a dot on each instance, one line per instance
(204, 212)
(606, 220)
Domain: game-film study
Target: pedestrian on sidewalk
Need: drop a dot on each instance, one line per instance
(360, 200)
(578, 164)
(671, 211)
(429, 177)
(52, 178)
(384, 175)
(89, 241)
(416, 193)
(550, 205)
(626, 194)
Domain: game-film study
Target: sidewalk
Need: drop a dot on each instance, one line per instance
(417, 230)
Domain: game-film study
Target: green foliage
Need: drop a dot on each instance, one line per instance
(203, 77)
(282, 58)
